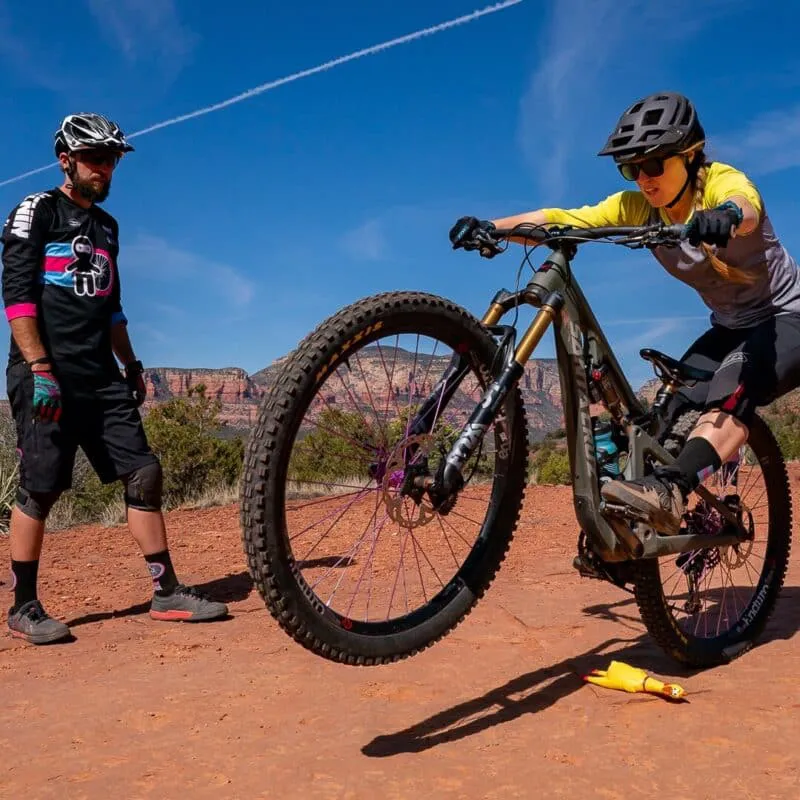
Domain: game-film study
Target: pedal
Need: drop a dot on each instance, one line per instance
(619, 510)
(585, 568)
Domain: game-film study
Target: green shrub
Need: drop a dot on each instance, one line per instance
(337, 448)
(550, 465)
(184, 434)
(555, 469)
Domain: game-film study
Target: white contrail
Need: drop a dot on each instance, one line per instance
(266, 87)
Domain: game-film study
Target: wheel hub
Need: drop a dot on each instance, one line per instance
(405, 502)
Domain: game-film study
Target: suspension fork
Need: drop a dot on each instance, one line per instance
(452, 478)
(442, 393)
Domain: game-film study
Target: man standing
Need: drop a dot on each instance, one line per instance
(61, 292)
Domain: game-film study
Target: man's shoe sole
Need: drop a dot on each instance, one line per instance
(42, 638)
(186, 616)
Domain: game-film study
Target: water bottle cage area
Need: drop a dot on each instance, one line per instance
(606, 450)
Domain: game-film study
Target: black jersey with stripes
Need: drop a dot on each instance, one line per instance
(60, 267)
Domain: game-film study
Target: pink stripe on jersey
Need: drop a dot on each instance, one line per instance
(56, 263)
(21, 310)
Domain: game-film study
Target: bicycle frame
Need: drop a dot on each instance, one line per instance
(580, 343)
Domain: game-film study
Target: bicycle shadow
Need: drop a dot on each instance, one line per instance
(539, 690)
(783, 624)
(233, 587)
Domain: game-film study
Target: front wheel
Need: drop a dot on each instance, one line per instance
(707, 607)
(351, 561)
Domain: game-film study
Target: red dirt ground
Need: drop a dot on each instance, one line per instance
(137, 708)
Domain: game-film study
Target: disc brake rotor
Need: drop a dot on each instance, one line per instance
(735, 556)
(402, 509)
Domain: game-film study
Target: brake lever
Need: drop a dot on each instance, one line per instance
(487, 246)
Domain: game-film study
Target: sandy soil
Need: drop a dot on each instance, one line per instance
(137, 708)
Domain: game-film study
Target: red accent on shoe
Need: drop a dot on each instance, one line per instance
(171, 615)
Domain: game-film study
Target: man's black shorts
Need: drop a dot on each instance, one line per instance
(107, 427)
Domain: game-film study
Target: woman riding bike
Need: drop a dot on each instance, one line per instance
(733, 259)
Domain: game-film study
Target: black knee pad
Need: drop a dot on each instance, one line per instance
(36, 505)
(143, 487)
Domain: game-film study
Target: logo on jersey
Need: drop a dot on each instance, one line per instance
(91, 270)
(80, 266)
(23, 216)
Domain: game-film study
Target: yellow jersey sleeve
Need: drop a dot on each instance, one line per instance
(724, 182)
(622, 208)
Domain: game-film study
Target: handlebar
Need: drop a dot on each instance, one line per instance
(554, 236)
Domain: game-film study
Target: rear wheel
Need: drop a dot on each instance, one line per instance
(708, 606)
(349, 561)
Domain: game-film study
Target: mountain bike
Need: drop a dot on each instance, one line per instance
(386, 474)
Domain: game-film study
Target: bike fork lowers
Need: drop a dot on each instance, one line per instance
(452, 477)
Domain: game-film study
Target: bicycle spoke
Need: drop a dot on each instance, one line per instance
(360, 425)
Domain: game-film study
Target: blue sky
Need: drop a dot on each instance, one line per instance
(242, 229)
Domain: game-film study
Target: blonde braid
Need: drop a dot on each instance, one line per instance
(728, 272)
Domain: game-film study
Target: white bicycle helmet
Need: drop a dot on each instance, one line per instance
(89, 131)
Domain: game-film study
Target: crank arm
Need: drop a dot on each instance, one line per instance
(656, 544)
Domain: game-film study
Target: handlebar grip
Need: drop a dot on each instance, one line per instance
(678, 230)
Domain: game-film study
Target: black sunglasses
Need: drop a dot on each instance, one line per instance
(652, 167)
(98, 158)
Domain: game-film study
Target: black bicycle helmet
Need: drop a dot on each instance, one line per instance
(89, 131)
(662, 124)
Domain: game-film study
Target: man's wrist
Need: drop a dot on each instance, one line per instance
(40, 364)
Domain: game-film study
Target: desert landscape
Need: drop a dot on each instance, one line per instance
(498, 709)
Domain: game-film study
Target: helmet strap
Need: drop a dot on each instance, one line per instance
(71, 171)
(692, 167)
(73, 184)
(683, 189)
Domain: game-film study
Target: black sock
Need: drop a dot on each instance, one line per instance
(25, 574)
(696, 462)
(162, 572)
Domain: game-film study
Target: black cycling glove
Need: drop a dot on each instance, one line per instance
(463, 232)
(714, 226)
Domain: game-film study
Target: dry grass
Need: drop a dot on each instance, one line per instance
(217, 494)
(62, 515)
(8, 493)
(305, 490)
(114, 514)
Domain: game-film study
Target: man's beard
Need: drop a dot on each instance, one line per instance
(89, 191)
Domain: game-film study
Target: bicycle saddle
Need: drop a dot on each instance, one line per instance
(674, 370)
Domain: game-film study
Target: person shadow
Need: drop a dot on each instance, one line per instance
(232, 587)
(541, 688)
